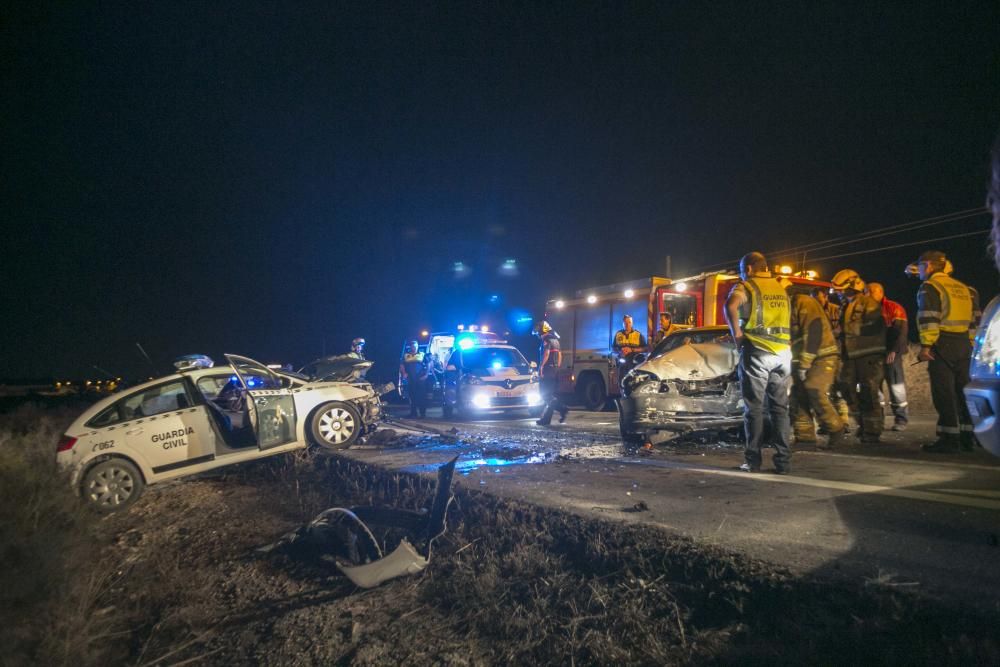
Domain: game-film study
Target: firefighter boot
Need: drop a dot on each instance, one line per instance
(946, 443)
(838, 440)
(967, 440)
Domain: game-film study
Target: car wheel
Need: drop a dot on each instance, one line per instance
(336, 425)
(112, 485)
(592, 393)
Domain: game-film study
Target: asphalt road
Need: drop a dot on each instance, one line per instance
(884, 514)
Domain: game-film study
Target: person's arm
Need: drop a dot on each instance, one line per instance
(928, 319)
(545, 358)
(402, 369)
(902, 328)
(977, 314)
(737, 298)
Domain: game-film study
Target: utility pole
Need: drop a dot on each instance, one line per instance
(667, 274)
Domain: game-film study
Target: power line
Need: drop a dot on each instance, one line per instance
(899, 245)
(865, 236)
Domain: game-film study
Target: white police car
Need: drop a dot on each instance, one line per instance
(207, 416)
(491, 376)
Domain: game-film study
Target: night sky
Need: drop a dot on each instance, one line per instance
(202, 177)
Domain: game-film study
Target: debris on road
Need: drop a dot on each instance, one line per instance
(344, 535)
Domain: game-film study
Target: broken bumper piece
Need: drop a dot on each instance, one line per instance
(403, 560)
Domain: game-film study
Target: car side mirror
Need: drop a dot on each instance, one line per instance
(451, 367)
(533, 364)
(639, 358)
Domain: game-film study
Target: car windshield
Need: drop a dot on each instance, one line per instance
(689, 337)
(487, 358)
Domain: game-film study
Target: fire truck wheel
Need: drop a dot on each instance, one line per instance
(592, 393)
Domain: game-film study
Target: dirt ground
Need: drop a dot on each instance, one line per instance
(176, 580)
(509, 583)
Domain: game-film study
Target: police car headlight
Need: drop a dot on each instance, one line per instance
(481, 401)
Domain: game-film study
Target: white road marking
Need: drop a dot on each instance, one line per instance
(851, 487)
(935, 463)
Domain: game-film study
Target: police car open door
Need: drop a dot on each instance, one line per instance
(271, 405)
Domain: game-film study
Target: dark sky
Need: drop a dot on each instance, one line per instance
(203, 177)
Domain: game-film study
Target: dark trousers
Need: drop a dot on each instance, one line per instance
(417, 390)
(949, 373)
(861, 379)
(549, 389)
(765, 377)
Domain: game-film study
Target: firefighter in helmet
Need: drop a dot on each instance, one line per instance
(863, 348)
(759, 318)
(357, 348)
(815, 362)
(549, 360)
(947, 317)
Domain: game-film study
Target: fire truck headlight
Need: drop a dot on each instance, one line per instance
(481, 401)
(560, 304)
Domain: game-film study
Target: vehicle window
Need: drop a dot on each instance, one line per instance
(672, 342)
(154, 401)
(107, 417)
(486, 358)
(683, 308)
(211, 386)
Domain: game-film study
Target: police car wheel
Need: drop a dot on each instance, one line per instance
(336, 425)
(112, 485)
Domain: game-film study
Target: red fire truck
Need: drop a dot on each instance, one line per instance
(587, 323)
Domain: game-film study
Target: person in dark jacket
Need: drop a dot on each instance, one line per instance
(896, 342)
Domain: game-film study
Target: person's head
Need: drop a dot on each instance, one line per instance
(627, 322)
(751, 264)
(412, 346)
(821, 295)
(848, 283)
(541, 329)
(993, 202)
(931, 262)
(876, 291)
(666, 317)
(358, 345)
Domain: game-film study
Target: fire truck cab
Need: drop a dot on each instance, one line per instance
(587, 324)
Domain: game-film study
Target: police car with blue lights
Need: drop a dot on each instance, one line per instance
(205, 416)
(486, 374)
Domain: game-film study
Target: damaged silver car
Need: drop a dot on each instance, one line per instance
(687, 383)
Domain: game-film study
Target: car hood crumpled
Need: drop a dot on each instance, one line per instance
(696, 361)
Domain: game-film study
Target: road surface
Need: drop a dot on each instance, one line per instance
(887, 514)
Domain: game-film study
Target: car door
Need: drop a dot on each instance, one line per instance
(166, 428)
(271, 404)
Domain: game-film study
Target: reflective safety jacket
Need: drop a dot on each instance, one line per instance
(662, 333)
(412, 364)
(812, 335)
(862, 327)
(628, 339)
(946, 305)
(768, 314)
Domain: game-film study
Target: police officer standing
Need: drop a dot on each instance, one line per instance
(815, 360)
(550, 358)
(863, 344)
(759, 318)
(947, 318)
(411, 367)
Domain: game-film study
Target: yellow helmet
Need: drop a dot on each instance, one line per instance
(542, 328)
(848, 279)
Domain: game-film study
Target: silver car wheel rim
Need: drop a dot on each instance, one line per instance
(336, 425)
(111, 487)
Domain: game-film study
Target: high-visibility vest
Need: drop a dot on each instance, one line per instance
(628, 339)
(768, 326)
(956, 303)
